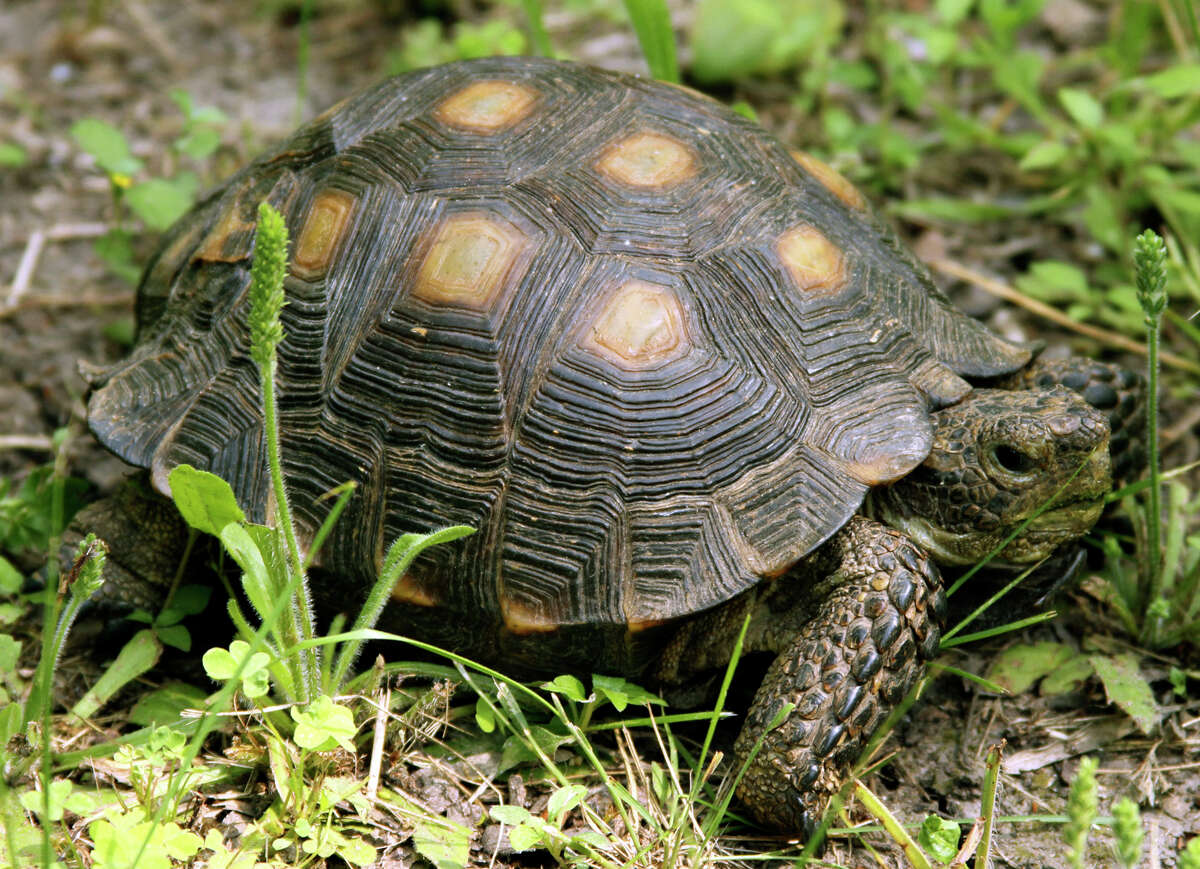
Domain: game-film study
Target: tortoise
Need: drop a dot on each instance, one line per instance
(657, 359)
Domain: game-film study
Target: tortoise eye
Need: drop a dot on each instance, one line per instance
(1011, 459)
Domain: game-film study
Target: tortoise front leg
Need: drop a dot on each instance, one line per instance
(844, 669)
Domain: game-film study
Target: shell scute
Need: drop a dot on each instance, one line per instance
(613, 326)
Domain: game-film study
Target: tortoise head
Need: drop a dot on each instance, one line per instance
(999, 458)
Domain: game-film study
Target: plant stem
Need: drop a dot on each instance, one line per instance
(1150, 275)
(283, 514)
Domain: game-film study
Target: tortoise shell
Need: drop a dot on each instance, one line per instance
(649, 353)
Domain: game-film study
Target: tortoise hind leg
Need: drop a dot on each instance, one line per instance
(146, 540)
(847, 666)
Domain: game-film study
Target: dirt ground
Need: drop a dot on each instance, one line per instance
(59, 304)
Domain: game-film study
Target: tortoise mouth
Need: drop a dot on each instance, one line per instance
(1075, 517)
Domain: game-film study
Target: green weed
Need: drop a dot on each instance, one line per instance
(155, 201)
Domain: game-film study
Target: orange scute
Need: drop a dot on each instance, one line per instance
(486, 106)
(649, 160)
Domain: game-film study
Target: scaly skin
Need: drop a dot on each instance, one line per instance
(1115, 391)
(997, 458)
(846, 668)
(854, 623)
(146, 540)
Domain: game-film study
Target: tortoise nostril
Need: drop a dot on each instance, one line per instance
(1013, 460)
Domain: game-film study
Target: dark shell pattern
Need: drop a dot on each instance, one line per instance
(649, 353)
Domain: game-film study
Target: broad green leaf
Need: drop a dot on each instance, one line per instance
(12, 156)
(511, 815)
(1018, 667)
(1102, 217)
(516, 752)
(563, 800)
(190, 599)
(1044, 155)
(732, 40)
(10, 652)
(953, 11)
(175, 636)
(205, 501)
(159, 202)
(165, 705)
(183, 99)
(1055, 281)
(568, 686)
(525, 837)
(59, 790)
(1125, 686)
(199, 143)
(107, 145)
(135, 658)
(324, 724)
(1175, 81)
(257, 581)
(484, 716)
(1082, 107)
(939, 837)
(115, 248)
(444, 843)
(354, 850)
(1020, 78)
(1068, 677)
(11, 579)
(621, 693)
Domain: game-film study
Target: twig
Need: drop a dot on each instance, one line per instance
(63, 232)
(154, 34)
(1187, 422)
(377, 742)
(42, 443)
(29, 260)
(87, 300)
(1105, 336)
(34, 245)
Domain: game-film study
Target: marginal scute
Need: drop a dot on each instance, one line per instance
(640, 325)
(938, 384)
(883, 467)
(486, 106)
(648, 160)
(523, 620)
(217, 245)
(831, 179)
(814, 262)
(636, 626)
(410, 591)
(323, 229)
(471, 259)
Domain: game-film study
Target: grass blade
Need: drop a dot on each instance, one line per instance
(652, 23)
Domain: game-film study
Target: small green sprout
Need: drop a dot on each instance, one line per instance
(1150, 275)
(266, 285)
(1127, 828)
(1081, 809)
